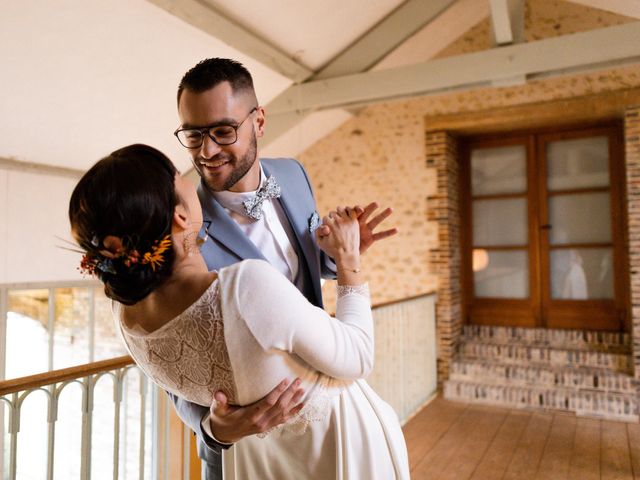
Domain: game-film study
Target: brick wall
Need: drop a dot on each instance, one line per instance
(445, 259)
(632, 158)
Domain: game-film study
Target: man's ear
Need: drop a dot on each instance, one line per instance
(260, 122)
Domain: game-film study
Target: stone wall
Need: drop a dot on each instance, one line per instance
(632, 157)
(380, 154)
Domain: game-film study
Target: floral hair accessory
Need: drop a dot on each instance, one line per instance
(155, 257)
(116, 250)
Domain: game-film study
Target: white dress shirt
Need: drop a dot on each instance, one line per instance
(272, 234)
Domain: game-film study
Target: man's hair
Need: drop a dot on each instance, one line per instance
(213, 71)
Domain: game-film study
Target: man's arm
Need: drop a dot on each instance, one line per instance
(228, 424)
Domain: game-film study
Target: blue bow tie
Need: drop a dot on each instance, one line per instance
(253, 206)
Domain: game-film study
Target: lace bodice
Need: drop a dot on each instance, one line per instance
(270, 332)
(188, 355)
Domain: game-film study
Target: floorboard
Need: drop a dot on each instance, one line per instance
(585, 458)
(458, 441)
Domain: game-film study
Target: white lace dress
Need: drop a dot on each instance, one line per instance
(250, 330)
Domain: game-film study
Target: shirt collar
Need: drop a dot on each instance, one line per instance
(233, 200)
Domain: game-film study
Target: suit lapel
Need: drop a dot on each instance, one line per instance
(224, 229)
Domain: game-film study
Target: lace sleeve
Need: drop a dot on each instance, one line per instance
(348, 290)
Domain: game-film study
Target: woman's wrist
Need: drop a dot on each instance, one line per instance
(348, 261)
(349, 271)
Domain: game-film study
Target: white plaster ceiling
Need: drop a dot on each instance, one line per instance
(80, 78)
(310, 31)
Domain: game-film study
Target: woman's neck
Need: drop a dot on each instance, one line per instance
(189, 279)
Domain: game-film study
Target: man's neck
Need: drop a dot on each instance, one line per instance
(250, 182)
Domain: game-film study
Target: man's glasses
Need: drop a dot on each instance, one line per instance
(221, 134)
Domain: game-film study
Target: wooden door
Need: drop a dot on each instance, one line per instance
(543, 242)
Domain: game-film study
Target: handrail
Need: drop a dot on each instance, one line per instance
(402, 300)
(398, 301)
(62, 375)
(80, 371)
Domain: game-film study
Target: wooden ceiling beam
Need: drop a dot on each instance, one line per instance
(610, 46)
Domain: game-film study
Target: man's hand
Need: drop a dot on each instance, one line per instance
(367, 236)
(230, 423)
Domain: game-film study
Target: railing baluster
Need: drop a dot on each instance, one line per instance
(52, 418)
(14, 392)
(117, 398)
(87, 412)
(14, 428)
(143, 400)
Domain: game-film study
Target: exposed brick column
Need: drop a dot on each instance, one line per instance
(632, 159)
(445, 261)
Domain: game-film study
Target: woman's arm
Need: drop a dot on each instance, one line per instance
(279, 316)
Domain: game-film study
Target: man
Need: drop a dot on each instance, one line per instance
(257, 209)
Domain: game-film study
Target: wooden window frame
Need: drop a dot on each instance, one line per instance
(539, 310)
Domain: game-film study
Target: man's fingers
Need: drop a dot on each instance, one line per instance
(279, 412)
(222, 407)
(385, 234)
(220, 397)
(270, 399)
(368, 210)
(379, 218)
(323, 231)
(296, 405)
(285, 398)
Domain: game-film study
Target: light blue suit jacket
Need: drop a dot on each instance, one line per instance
(228, 244)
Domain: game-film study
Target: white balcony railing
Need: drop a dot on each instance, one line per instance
(123, 444)
(105, 420)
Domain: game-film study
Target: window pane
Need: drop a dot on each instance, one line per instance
(502, 274)
(27, 333)
(580, 218)
(107, 340)
(499, 170)
(579, 163)
(71, 327)
(582, 273)
(500, 222)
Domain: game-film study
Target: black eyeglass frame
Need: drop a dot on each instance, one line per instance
(207, 131)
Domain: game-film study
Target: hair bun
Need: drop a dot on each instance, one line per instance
(129, 285)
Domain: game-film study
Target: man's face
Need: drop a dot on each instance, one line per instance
(225, 167)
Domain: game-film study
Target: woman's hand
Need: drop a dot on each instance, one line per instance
(342, 243)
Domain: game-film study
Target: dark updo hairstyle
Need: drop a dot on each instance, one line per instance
(131, 195)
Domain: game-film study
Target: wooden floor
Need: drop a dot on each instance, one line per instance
(457, 441)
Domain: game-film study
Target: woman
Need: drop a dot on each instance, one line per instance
(240, 330)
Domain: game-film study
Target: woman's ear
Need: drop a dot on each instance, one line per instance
(180, 217)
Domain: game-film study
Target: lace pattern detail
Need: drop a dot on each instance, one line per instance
(317, 408)
(188, 356)
(360, 290)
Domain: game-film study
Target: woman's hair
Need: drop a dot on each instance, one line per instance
(129, 197)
